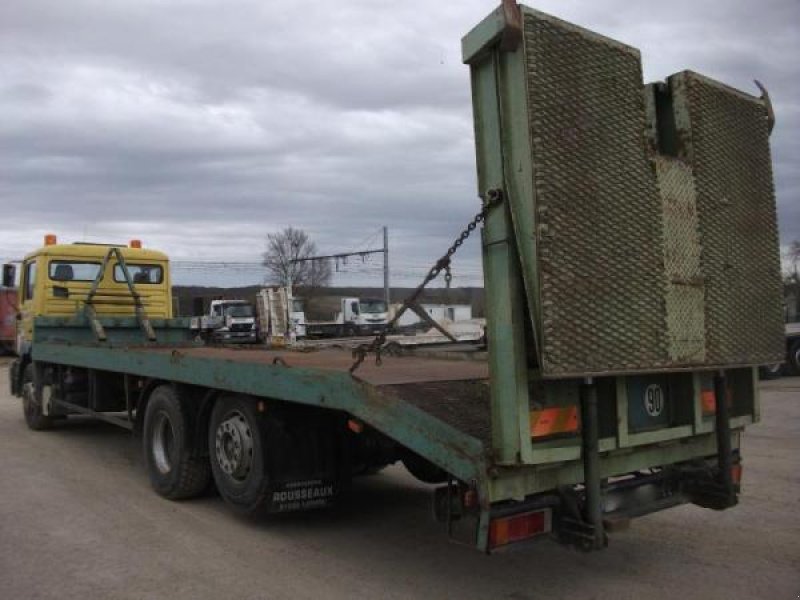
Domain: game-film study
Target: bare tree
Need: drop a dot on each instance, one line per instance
(287, 246)
(793, 256)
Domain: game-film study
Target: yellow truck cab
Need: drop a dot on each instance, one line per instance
(57, 279)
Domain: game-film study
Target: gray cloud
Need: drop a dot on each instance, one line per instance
(200, 126)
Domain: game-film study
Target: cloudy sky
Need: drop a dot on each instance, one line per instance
(201, 125)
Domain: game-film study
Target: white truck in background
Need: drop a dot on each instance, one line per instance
(228, 321)
(356, 316)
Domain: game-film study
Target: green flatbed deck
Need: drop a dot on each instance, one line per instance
(378, 395)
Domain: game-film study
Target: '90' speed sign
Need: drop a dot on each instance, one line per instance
(654, 400)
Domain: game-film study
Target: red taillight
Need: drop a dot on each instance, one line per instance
(736, 473)
(507, 530)
(355, 426)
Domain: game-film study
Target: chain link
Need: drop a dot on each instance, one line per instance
(493, 197)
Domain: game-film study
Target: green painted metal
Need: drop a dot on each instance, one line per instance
(511, 482)
(599, 244)
(445, 446)
(119, 331)
(505, 308)
(88, 307)
(483, 37)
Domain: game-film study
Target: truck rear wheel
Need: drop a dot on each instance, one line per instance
(794, 358)
(174, 470)
(424, 470)
(31, 405)
(236, 445)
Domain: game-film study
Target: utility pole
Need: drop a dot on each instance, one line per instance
(386, 266)
(343, 256)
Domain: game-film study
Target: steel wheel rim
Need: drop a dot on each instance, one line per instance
(163, 443)
(233, 446)
(29, 398)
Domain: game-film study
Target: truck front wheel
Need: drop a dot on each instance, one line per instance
(236, 445)
(175, 471)
(31, 405)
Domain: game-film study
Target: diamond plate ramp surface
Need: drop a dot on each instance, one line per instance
(727, 142)
(685, 295)
(599, 233)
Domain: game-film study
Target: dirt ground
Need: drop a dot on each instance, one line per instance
(78, 520)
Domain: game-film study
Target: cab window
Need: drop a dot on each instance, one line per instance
(70, 270)
(30, 279)
(140, 273)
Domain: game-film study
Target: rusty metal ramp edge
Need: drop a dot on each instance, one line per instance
(419, 426)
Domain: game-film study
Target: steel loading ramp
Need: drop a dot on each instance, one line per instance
(643, 216)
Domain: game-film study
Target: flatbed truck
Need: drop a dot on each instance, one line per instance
(356, 316)
(621, 369)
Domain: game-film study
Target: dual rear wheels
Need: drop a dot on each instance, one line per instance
(175, 467)
(237, 457)
(181, 464)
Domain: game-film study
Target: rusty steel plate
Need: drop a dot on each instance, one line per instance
(394, 370)
(725, 135)
(598, 213)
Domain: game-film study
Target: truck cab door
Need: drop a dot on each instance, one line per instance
(352, 311)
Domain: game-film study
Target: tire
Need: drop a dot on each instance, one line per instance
(424, 470)
(793, 360)
(768, 372)
(31, 406)
(236, 445)
(175, 471)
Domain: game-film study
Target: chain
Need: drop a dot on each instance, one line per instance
(494, 197)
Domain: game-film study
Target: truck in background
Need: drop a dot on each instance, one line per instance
(8, 319)
(790, 365)
(356, 316)
(793, 348)
(228, 321)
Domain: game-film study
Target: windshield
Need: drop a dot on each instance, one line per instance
(297, 305)
(373, 306)
(239, 310)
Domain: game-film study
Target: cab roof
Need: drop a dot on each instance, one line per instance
(96, 251)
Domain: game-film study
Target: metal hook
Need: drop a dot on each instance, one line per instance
(767, 104)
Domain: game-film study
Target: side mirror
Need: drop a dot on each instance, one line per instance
(9, 275)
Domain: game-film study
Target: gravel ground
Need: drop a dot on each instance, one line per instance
(78, 520)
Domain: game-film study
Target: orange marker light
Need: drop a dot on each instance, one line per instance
(50, 239)
(555, 420)
(136, 243)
